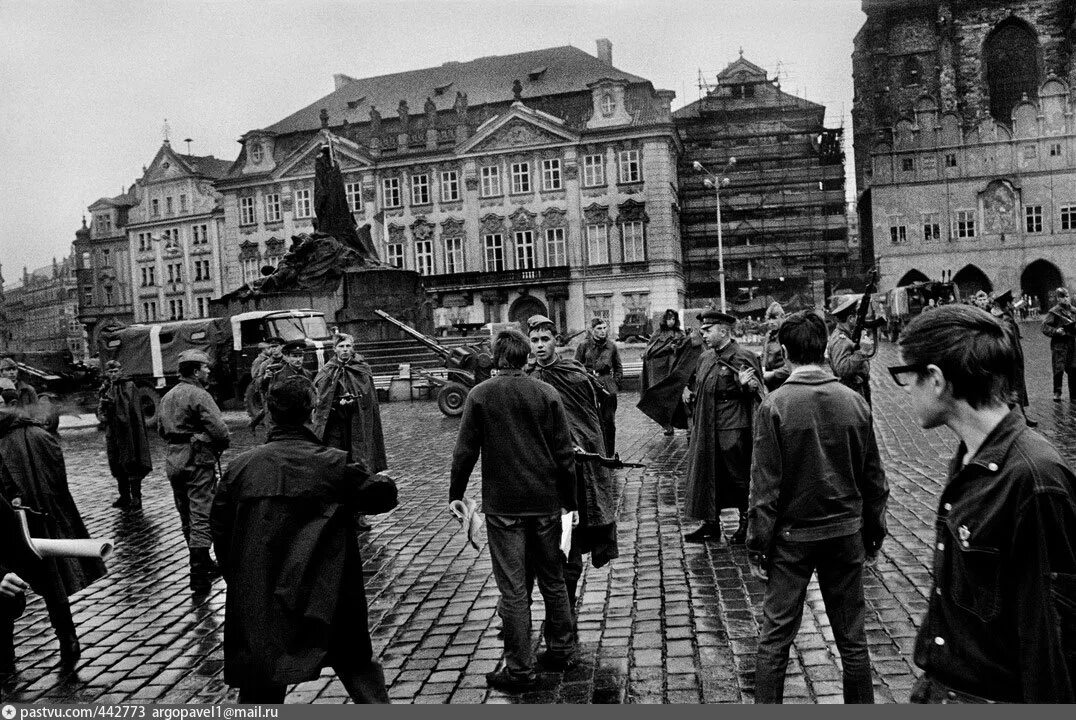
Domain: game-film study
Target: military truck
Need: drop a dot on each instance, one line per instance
(150, 352)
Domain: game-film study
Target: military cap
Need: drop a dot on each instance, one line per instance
(273, 341)
(1003, 298)
(842, 304)
(775, 310)
(194, 356)
(113, 365)
(295, 346)
(595, 322)
(715, 317)
(535, 320)
(7, 363)
(7, 384)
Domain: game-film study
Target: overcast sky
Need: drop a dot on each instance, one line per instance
(85, 87)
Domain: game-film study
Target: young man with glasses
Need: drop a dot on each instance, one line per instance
(1001, 616)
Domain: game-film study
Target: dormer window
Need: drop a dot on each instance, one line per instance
(608, 104)
(256, 153)
(536, 73)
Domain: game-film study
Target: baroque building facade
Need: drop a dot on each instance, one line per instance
(542, 182)
(965, 139)
(103, 266)
(174, 227)
(783, 213)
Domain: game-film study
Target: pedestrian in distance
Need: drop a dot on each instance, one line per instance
(818, 498)
(774, 368)
(981, 300)
(1060, 326)
(725, 390)
(255, 397)
(1001, 307)
(38, 408)
(192, 425)
(849, 362)
(289, 365)
(596, 491)
(660, 353)
(32, 470)
(519, 427)
(599, 355)
(282, 523)
(347, 415)
(999, 623)
(119, 409)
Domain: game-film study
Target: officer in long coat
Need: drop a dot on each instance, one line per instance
(849, 362)
(725, 389)
(192, 424)
(1060, 326)
(120, 409)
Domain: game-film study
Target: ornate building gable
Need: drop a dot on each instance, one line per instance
(422, 229)
(522, 219)
(492, 223)
(452, 227)
(595, 214)
(632, 211)
(248, 250)
(520, 127)
(167, 165)
(554, 217)
(300, 164)
(274, 247)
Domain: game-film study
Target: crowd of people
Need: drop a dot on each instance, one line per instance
(784, 437)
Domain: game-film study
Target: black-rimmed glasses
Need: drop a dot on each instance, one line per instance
(905, 375)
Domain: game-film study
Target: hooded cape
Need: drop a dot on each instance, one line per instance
(355, 428)
(662, 401)
(125, 430)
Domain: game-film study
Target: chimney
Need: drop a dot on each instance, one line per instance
(605, 51)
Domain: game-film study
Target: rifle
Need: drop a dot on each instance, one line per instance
(863, 309)
(614, 463)
(760, 390)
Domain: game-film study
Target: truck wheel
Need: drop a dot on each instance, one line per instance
(450, 399)
(150, 400)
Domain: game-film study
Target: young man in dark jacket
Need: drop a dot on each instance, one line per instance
(818, 496)
(282, 526)
(999, 625)
(519, 427)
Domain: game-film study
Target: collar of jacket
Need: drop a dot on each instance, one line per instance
(511, 372)
(728, 349)
(192, 381)
(995, 448)
(810, 375)
(292, 432)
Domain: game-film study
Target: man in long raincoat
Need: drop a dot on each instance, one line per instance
(129, 461)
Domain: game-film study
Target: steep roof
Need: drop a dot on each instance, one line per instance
(485, 80)
(765, 96)
(124, 200)
(206, 165)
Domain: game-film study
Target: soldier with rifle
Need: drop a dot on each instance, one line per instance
(1060, 326)
(848, 351)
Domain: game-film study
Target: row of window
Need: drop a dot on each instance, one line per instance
(495, 254)
(1030, 152)
(199, 237)
(251, 267)
(629, 170)
(175, 309)
(155, 205)
(963, 224)
(175, 273)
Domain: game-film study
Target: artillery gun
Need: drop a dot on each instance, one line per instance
(465, 367)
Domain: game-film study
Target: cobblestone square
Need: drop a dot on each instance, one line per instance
(667, 622)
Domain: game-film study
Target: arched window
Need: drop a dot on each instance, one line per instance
(1011, 64)
(911, 72)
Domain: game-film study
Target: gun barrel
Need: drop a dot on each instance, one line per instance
(427, 341)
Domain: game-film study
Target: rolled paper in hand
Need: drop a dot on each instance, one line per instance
(566, 533)
(87, 548)
(470, 522)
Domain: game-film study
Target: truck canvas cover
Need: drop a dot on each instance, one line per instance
(153, 349)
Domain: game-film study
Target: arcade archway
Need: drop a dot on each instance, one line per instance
(971, 280)
(524, 307)
(1039, 280)
(912, 276)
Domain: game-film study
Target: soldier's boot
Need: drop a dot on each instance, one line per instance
(124, 485)
(203, 570)
(740, 536)
(136, 493)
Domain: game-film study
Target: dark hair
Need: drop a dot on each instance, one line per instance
(972, 349)
(187, 368)
(290, 401)
(274, 341)
(676, 318)
(542, 326)
(804, 336)
(510, 349)
(595, 322)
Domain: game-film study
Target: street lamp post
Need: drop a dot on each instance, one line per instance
(717, 182)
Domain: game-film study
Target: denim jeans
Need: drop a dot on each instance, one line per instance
(839, 562)
(519, 546)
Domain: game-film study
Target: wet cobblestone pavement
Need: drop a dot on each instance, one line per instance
(667, 622)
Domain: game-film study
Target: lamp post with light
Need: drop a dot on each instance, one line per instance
(717, 182)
